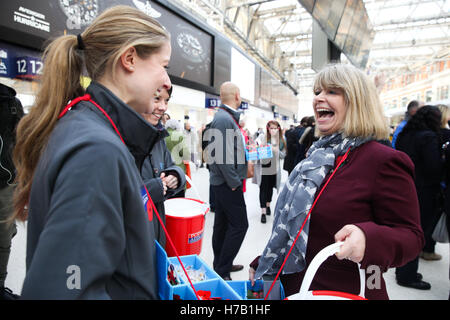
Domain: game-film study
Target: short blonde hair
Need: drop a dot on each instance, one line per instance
(364, 116)
(445, 111)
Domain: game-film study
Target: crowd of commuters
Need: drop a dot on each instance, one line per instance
(91, 169)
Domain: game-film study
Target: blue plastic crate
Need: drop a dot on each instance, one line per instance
(196, 263)
(165, 289)
(242, 287)
(218, 288)
(183, 292)
(213, 283)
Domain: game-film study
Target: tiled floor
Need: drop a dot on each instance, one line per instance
(437, 273)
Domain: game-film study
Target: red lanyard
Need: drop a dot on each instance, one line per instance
(87, 97)
(342, 159)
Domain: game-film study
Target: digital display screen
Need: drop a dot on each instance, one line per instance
(346, 24)
(41, 20)
(191, 48)
(328, 13)
(358, 33)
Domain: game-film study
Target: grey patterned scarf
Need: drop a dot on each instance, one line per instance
(294, 202)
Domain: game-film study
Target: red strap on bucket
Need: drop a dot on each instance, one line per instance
(304, 222)
(87, 97)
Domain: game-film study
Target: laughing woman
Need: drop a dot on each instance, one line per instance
(370, 203)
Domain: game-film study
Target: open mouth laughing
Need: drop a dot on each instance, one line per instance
(324, 113)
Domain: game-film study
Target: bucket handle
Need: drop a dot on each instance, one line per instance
(193, 186)
(196, 191)
(318, 260)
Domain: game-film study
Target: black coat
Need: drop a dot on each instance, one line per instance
(11, 112)
(424, 149)
(291, 149)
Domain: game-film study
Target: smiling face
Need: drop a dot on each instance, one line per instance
(330, 110)
(145, 77)
(159, 106)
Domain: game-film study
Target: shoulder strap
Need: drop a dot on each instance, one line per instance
(87, 97)
(227, 111)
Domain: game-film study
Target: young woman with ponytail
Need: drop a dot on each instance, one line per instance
(90, 226)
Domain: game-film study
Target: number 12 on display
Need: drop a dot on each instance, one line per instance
(29, 67)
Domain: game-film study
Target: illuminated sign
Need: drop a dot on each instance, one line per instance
(28, 67)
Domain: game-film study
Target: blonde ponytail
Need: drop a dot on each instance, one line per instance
(60, 82)
(110, 34)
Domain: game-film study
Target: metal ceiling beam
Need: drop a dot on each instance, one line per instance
(417, 22)
(298, 36)
(391, 5)
(434, 42)
(276, 12)
(248, 4)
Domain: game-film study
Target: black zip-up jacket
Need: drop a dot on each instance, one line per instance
(160, 160)
(89, 234)
(11, 111)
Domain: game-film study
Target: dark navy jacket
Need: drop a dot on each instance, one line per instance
(160, 160)
(87, 220)
(228, 164)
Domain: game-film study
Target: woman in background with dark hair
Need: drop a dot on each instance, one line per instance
(420, 139)
(162, 177)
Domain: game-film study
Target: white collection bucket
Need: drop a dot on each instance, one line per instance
(306, 294)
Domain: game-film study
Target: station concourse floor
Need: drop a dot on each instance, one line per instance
(434, 272)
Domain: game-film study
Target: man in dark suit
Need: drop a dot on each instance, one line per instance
(228, 168)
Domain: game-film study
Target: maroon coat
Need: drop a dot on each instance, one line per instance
(375, 191)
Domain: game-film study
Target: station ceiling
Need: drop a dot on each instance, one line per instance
(278, 33)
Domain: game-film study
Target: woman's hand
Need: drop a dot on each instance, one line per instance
(354, 245)
(251, 275)
(170, 181)
(164, 183)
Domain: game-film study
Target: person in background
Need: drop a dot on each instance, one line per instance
(90, 232)
(165, 116)
(246, 135)
(447, 194)
(160, 174)
(192, 141)
(268, 171)
(228, 168)
(445, 138)
(257, 133)
(370, 204)
(11, 111)
(445, 120)
(308, 136)
(178, 149)
(420, 140)
(200, 135)
(292, 147)
(411, 110)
